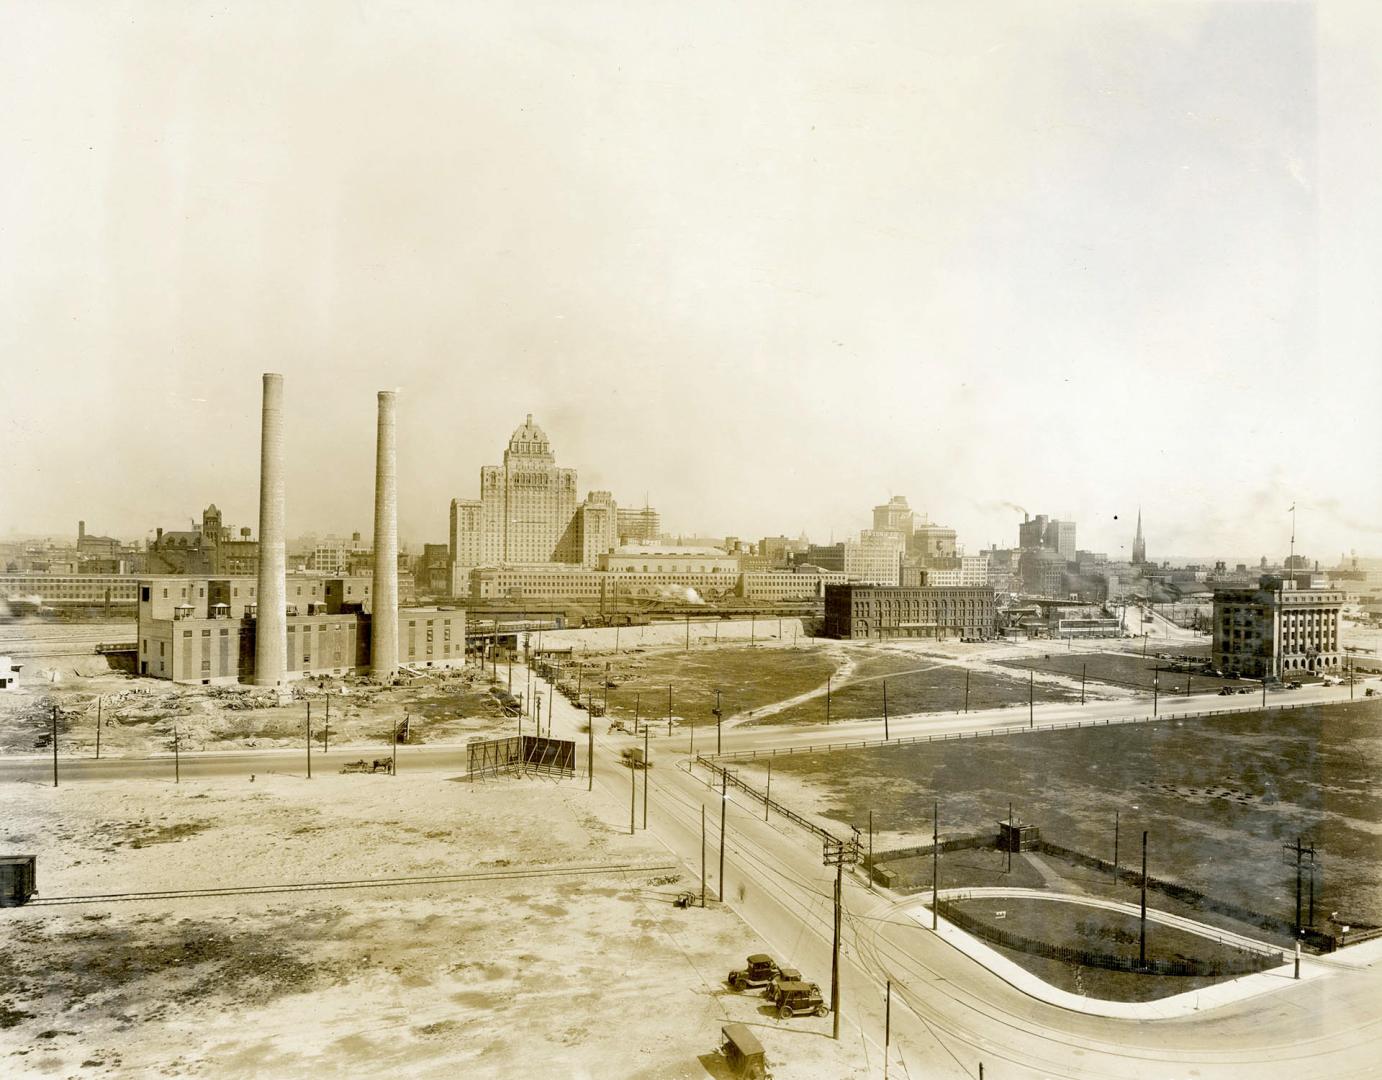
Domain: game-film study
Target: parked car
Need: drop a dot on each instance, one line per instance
(784, 975)
(761, 970)
(743, 1052)
(1227, 691)
(794, 998)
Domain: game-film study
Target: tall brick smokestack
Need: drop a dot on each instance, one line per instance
(271, 599)
(383, 635)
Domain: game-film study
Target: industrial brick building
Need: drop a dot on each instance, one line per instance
(862, 612)
(202, 630)
(1286, 626)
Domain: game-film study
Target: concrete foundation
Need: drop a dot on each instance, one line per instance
(384, 617)
(271, 597)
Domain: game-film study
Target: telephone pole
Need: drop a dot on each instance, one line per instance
(885, 710)
(702, 854)
(1142, 935)
(646, 765)
(55, 746)
(935, 861)
(836, 853)
(98, 729)
(718, 714)
(309, 740)
(724, 805)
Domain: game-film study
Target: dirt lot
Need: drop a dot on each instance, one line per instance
(138, 715)
(1220, 797)
(1109, 932)
(748, 678)
(1128, 669)
(917, 682)
(579, 976)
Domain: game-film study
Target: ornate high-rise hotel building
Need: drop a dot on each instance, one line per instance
(527, 511)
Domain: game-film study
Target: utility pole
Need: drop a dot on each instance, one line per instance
(688, 632)
(326, 731)
(647, 764)
(635, 714)
(1115, 847)
(702, 854)
(718, 715)
(1031, 699)
(887, 1023)
(55, 744)
(1264, 691)
(966, 693)
(935, 861)
(827, 698)
(551, 695)
(589, 749)
(836, 853)
(1084, 670)
(1154, 693)
(669, 710)
(606, 687)
(870, 863)
(1142, 936)
(724, 805)
(885, 710)
(633, 791)
(309, 740)
(177, 763)
(753, 628)
(98, 729)
(1010, 838)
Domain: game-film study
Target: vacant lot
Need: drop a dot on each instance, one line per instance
(1094, 930)
(917, 683)
(138, 715)
(582, 976)
(1220, 798)
(747, 677)
(1125, 669)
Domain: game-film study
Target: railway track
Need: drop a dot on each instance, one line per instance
(518, 874)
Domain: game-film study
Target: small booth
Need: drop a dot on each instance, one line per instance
(18, 879)
(1017, 835)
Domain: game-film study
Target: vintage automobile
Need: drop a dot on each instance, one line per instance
(784, 975)
(794, 998)
(761, 970)
(743, 1052)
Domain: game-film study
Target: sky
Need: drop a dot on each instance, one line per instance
(765, 264)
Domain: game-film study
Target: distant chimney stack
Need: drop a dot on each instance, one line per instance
(271, 620)
(384, 610)
(81, 530)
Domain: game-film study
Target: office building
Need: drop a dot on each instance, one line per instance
(1049, 533)
(640, 526)
(1288, 625)
(864, 612)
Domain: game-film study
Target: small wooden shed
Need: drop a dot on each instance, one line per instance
(18, 879)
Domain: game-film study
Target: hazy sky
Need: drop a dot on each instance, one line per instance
(769, 263)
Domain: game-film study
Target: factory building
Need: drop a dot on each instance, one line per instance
(862, 612)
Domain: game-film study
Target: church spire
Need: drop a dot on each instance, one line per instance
(1139, 546)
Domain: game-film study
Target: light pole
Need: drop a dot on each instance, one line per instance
(647, 764)
(1142, 935)
(718, 715)
(724, 806)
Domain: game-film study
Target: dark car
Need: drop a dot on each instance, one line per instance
(1226, 691)
(761, 970)
(796, 998)
(743, 1052)
(784, 975)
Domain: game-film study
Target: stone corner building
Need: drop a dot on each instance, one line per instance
(1287, 625)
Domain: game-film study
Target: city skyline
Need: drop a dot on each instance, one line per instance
(979, 263)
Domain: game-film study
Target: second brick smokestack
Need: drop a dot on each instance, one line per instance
(271, 621)
(384, 611)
